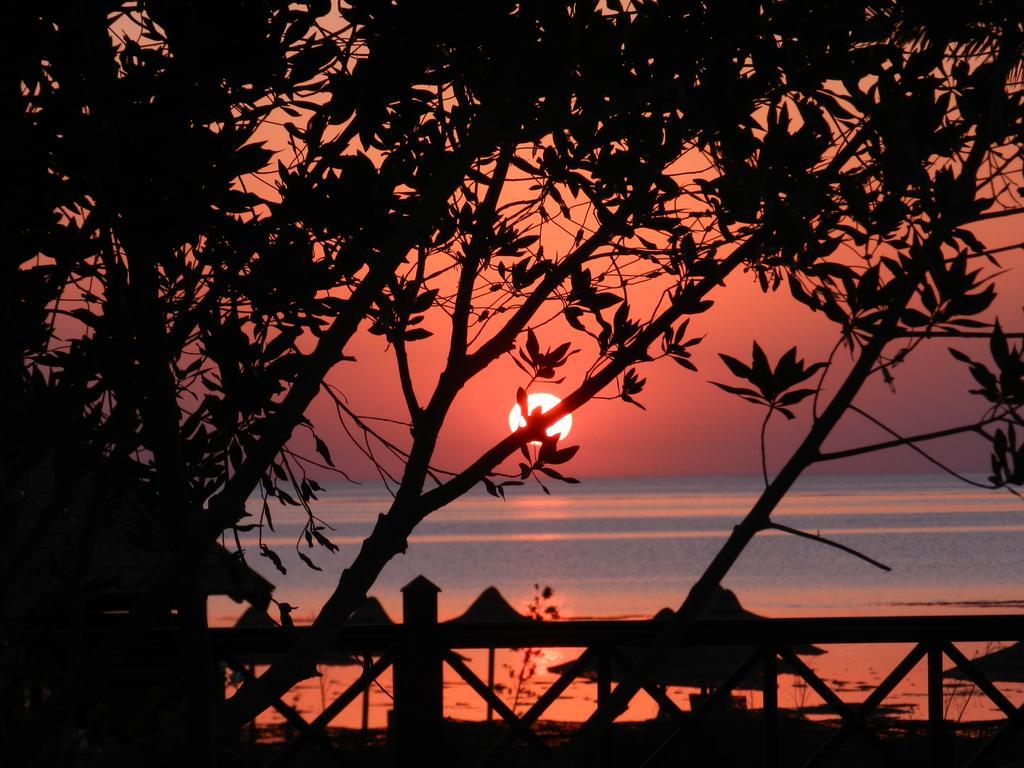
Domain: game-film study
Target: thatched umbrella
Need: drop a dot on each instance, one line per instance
(490, 607)
(255, 617)
(701, 667)
(370, 612)
(1005, 665)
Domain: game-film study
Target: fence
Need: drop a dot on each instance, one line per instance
(419, 649)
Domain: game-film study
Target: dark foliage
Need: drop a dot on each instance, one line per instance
(213, 199)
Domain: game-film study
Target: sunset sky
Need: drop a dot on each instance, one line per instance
(281, 274)
(690, 427)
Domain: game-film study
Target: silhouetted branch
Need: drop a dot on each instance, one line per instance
(405, 379)
(900, 440)
(937, 334)
(1000, 214)
(318, 464)
(910, 443)
(764, 455)
(822, 540)
(478, 246)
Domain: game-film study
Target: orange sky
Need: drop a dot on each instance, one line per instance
(690, 427)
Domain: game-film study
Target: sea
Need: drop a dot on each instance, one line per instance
(627, 547)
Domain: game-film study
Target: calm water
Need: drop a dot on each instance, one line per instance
(629, 547)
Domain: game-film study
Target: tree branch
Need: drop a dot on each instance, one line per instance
(954, 335)
(1000, 214)
(405, 378)
(900, 440)
(822, 540)
(479, 245)
(924, 454)
(764, 453)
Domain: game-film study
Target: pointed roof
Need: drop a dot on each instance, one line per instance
(702, 666)
(1005, 665)
(723, 604)
(370, 612)
(491, 606)
(255, 617)
(421, 584)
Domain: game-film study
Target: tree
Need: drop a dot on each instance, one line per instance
(510, 175)
(946, 161)
(133, 252)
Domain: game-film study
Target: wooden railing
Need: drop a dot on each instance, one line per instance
(420, 648)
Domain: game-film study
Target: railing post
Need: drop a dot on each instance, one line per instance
(770, 695)
(490, 683)
(367, 663)
(935, 706)
(604, 689)
(418, 677)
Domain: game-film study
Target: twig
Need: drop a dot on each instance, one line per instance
(910, 443)
(319, 464)
(829, 542)
(764, 457)
(955, 335)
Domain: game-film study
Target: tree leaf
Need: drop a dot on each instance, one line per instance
(532, 347)
(271, 555)
(741, 391)
(562, 455)
(307, 561)
(795, 396)
(558, 475)
(738, 369)
(321, 448)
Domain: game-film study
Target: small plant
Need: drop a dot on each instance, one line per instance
(540, 608)
(799, 695)
(958, 694)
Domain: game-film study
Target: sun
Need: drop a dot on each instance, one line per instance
(545, 402)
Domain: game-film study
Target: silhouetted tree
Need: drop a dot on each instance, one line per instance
(937, 126)
(216, 200)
